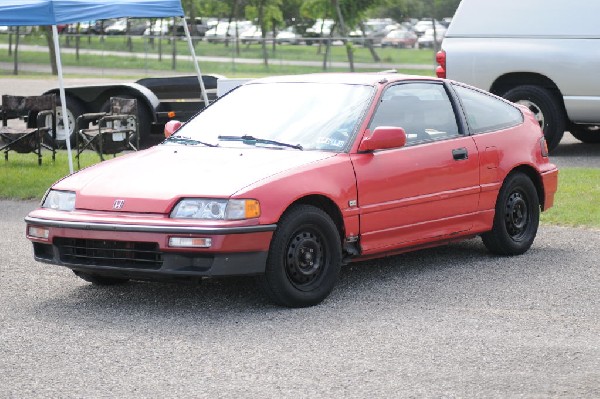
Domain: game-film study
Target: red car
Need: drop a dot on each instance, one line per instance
(288, 178)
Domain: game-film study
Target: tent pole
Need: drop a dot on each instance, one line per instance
(195, 61)
(63, 99)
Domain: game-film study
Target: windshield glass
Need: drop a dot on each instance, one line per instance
(303, 116)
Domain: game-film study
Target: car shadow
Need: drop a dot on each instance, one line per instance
(407, 278)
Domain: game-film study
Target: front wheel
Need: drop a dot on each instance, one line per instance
(517, 217)
(546, 108)
(304, 258)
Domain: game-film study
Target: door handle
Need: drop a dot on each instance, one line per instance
(460, 154)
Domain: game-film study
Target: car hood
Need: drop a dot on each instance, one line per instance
(152, 181)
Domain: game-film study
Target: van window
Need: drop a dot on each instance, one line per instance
(486, 113)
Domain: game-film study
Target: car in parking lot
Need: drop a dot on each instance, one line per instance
(400, 38)
(349, 167)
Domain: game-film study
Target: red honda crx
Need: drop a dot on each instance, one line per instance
(288, 178)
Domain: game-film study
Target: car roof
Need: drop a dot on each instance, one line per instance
(371, 79)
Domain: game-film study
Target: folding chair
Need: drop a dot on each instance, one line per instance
(21, 137)
(112, 132)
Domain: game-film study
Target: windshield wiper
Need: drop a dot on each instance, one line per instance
(189, 141)
(246, 139)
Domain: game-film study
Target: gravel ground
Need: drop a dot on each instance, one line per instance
(447, 322)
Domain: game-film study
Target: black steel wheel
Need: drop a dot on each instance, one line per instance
(304, 258)
(546, 107)
(516, 219)
(100, 280)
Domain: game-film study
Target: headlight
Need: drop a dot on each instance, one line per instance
(59, 200)
(216, 209)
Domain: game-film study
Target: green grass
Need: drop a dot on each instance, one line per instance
(119, 66)
(575, 202)
(283, 52)
(22, 178)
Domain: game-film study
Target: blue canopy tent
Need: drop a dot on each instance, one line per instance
(55, 12)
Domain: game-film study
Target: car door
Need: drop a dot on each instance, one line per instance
(428, 188)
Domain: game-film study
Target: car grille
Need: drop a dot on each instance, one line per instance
(125, 254)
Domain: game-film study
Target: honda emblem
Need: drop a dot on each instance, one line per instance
(118, 204)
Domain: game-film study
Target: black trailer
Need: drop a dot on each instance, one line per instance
(159, 100)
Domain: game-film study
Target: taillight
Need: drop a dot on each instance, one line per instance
(440, 58)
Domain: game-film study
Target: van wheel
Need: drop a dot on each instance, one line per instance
(586, 134)
(304, 258)
(545, 106)
(516, 219)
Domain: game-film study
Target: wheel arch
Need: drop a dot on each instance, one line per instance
(535, 177)
(513, 79)
(327, 205)
(93, 97)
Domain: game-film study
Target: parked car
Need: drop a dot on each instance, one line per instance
(253, 34)
(288, 36)
(430, 37)
(320, 29)
(375, 31)
(226, 30)
(548, 65)
(423, 25)
(349, 167)
(137, 26)
(400, 38)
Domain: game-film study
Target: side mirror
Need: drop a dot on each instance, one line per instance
(171, 127)
(383, 137)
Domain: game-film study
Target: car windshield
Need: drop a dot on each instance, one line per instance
(293, 116)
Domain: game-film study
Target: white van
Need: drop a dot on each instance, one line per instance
(541, 53)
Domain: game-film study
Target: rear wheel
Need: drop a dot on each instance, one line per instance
(100, 280)
(546, 108)
(516, 219)
(586, 134)
(304, 258)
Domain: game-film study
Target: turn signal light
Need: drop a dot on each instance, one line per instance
(190, 242)
(38, 232)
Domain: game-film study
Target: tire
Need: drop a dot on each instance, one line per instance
(546, 107)
(516, 219)
(100, 280)
(74, 109)
(304, 258)
(144, 118)
(586, 134)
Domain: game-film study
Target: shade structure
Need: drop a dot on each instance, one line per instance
(55, 12)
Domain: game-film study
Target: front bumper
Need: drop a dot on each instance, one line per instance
(142, 251)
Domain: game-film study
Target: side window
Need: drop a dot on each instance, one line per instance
(486, 113)
(424, 111)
